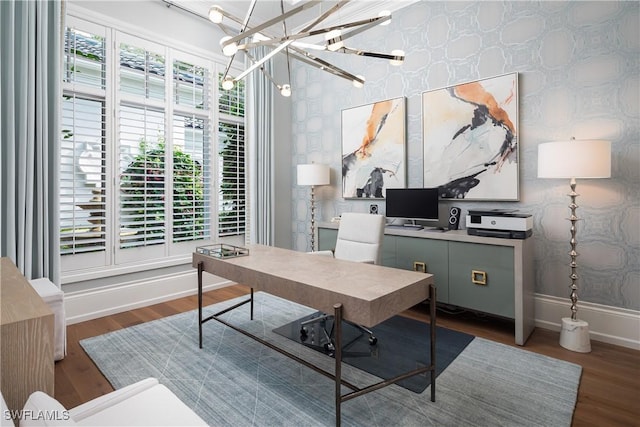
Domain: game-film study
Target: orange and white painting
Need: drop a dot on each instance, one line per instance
(373, 149)
(470, 137)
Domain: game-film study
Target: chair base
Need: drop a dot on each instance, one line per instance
(329, 344)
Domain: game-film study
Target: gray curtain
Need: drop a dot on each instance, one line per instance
(261, 161)
(30, 42)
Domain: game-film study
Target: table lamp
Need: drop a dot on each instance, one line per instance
(574, 159)
(313, 174)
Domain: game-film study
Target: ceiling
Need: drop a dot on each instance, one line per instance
(267, 9)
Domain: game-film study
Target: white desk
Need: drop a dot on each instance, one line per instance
(361, 293)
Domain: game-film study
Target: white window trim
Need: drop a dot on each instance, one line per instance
(116, 31)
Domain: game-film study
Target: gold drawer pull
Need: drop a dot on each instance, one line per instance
(479, 277)
(419, 266)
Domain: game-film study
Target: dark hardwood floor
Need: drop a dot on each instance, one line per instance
(609, 393)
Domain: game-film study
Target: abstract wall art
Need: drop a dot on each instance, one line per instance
(470, 136)
(373, 149)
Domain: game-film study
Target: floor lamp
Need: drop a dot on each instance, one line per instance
(313, 174)
(574, 159)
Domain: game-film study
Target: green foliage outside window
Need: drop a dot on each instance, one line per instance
(143, 195)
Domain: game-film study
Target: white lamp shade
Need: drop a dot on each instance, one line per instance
(313, 174)
(574, 159)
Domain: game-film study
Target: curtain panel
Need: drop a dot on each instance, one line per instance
(30, 93)
(261, 154)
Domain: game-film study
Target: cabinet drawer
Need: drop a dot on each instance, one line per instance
(432, 254)
(481, 277)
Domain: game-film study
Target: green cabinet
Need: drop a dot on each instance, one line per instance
(426, 255)
(485, 274)
(482, 278)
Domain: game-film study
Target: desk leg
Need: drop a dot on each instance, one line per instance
(432, 321)
(337, 324)
(251, 303)
(200, 269)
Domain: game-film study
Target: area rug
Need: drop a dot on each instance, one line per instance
(235, 381)
(402, 345)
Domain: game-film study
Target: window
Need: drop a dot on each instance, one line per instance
(139, 171)
(83, 149)
(231, 149)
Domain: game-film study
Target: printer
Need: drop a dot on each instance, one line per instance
(503, 223)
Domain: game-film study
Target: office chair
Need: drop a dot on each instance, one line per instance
(360, 240)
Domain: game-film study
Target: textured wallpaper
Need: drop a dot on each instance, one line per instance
(579, 76)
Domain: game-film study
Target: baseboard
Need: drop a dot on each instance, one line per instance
(608, 324)
(91, 304)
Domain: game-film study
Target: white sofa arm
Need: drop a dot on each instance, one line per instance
(145, 403)
(41, 409)
(101, 403)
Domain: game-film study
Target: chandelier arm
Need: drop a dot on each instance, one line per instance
(323, 65)
(171, 4)
(263, 60)
(264, 71)
(261, 67)
(286, 51)
(247, 17)
(228, 67)
(365, 53)
(364, 24)
(325, 15)
(269, 23)
(312, 33)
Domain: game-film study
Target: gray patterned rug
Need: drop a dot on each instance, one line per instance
(235, 381)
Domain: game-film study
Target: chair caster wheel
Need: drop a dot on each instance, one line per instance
(329, 347)
(303, 337)
(373, 340)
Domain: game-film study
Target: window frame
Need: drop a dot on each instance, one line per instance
(111, 262)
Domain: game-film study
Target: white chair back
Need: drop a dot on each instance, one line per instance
(360, 237)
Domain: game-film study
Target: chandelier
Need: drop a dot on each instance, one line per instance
(242, 35)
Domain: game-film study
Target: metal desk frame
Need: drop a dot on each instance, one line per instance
(337, 374)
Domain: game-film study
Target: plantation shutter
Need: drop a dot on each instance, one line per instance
(191, 179)
(83, 224)
(142, 191)
(142, 177)
(231, 167)
(191, 206)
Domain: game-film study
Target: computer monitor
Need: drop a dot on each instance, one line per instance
(412, 203)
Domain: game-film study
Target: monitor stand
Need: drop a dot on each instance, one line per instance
(412, 226)
(409, 226)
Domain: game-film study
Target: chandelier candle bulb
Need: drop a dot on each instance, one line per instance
(228, 49)
(399, 57)
(285, 90)
(215, 14)
(227, 83)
